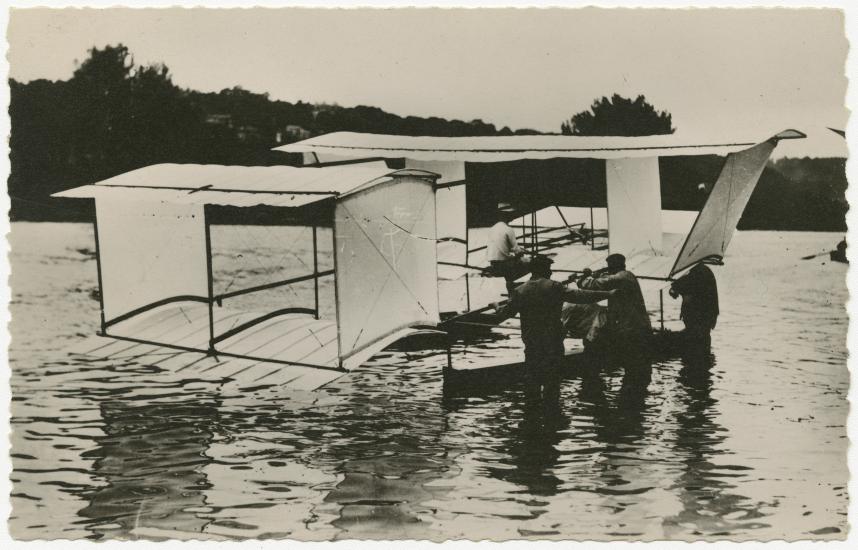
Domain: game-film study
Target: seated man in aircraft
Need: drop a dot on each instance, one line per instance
(504, 254)
(539, 301)
(628, 319)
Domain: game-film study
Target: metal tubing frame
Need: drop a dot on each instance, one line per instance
(261, 319)
(143, 309)
(218, 299)
(219, 190)
(301, 278)
(466, 266)
(315, 273)
(592, 231)
(98, 269)
(211, 299)
(210, 277)
(644, 277)
(467, 260)
(566, 223)
(534, 237)
(336, 291)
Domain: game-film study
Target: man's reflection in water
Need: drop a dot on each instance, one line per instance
(151, 459)
(703, 485)
(530, 448)
(618, 425)
(625, 418)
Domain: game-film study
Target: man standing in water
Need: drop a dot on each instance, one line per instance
(539, 301)
(699, 311)
(627, 315)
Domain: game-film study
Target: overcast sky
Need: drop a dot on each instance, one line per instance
(721, 73)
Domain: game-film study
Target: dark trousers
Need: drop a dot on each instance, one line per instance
(510, 270)
(631, 347)
(697, 338)
(696, 345)
(542, 380)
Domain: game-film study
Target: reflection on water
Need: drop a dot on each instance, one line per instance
(152, 459)
(747, 444)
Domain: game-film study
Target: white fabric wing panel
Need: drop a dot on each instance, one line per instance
(277, 179)
(385, 259)
(155, 194)
(149, 251)
(452, 224)
(715, 225)
(505, 148)
(634, 205)
(283, 186)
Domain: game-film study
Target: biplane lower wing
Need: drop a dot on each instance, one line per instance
(296, 351)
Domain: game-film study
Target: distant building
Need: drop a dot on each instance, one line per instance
(293, 131)
(219, 120)
(246, 132)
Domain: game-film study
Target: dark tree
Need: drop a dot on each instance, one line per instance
(619, 116)
(112, 116)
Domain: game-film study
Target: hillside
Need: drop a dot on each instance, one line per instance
(112, 117)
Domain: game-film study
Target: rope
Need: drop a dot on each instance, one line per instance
(729, 203)
(393, 223)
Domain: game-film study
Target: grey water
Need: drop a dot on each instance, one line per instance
(753, 449)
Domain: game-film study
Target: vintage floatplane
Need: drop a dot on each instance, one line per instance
(397, 212)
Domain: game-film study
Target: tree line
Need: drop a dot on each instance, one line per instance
(113, 116)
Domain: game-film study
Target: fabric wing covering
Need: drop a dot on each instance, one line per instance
(385, 259)
(451, 218)
(283, 186)
(149, 252)
(634, 205)
(452, 247)
(505, 148)
(717, 221)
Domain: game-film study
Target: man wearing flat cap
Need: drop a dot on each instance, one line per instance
(539, 302)
(628, 319)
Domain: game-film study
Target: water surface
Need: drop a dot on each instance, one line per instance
(755, 449)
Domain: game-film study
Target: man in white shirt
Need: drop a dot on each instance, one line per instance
(504, 254)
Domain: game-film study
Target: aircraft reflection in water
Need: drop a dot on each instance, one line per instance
(208, 464)
(151, 458)
(395, 461)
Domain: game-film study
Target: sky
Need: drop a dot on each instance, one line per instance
(723, 74)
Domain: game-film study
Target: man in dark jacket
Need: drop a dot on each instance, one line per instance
(628, 320)
(539, 302)
(699, 311)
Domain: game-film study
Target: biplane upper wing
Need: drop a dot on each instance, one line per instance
(507, 148)
(632, 180)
